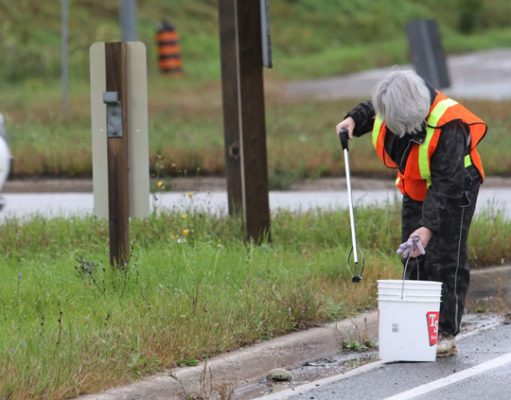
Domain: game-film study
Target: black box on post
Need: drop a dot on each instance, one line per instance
(427, 53)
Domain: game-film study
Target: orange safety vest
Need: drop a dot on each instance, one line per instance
(415, 180)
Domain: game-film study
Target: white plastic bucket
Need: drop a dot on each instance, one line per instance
(408, 320)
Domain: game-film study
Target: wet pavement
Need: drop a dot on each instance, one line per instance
(482, 75)
(25, 205)
(347, 362)
(481, 370)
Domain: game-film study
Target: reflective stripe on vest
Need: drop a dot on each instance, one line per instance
(432, 122)
(468, 161)
(378, 121)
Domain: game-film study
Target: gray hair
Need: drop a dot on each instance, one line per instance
(402, 99)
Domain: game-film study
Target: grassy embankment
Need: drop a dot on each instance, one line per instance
(309, 40)
(71, 324)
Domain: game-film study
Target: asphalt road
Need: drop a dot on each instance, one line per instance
(481, 75)
(24, 205)
(482, 370)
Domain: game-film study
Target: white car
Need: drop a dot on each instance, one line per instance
(5, 158)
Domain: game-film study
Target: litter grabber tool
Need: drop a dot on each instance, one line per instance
(358, 266)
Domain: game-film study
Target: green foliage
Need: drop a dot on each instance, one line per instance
(72, 324)
(311, 39)
(70, 321)
(491, 230)
(188, 363)
(331, 30)
(470, 15)
(353, 345)
(299, 139)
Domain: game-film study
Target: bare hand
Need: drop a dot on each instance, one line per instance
(349, 124)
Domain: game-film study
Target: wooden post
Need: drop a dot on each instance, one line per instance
(227, 20)
(254, 169)
(117, 148)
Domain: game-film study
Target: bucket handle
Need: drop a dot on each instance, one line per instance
(404, 274)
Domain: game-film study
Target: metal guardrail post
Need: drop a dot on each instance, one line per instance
(427, 53)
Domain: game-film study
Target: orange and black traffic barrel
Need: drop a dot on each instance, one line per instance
(169, 51)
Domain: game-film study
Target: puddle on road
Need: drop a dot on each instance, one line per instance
(475, 322)
(310, 371)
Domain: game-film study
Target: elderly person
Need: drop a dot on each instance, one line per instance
(431, 140)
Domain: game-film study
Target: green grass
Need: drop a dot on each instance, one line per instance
(310, 39)
(491, 230)
(71, 324)
(186, 136)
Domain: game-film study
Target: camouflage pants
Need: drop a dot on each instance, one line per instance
(446, 255)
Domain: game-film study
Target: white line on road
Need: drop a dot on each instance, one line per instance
(449, 380)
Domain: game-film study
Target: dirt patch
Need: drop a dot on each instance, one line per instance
(47, 185)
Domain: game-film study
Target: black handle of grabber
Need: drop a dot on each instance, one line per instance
(343, 136)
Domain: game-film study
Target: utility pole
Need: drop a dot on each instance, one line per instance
(128, 18)
(64, 54)
(227, 20)
(241, 44)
